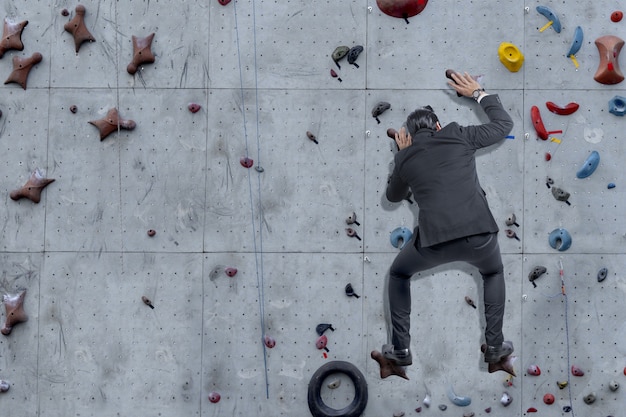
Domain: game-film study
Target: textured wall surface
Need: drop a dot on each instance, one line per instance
(260, 69)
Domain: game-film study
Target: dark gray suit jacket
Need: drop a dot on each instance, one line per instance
(440, 169)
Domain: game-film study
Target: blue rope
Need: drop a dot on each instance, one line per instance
(258, 252)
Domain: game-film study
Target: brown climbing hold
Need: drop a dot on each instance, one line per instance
(388, 368)
(194, 107)
(33, 187)
(505, 364)
(65, 12)
(21, 69)
(14, 307)
(142, 54)
(147, 301)
(391, 132)
(151, 232)
(73, 108)
(12, 36)
(112, 122)
(608, 72)
(78, 29)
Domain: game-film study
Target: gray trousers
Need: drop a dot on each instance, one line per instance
(481, 251)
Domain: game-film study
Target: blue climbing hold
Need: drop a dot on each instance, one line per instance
(400, 236)
(610, 185)
(551, 16)
(589, 166)
(617, 105)
(560, 239)
(577, 43)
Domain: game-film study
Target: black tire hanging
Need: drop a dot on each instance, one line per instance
(355, 408)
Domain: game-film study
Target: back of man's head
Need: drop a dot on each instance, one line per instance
(424, 118)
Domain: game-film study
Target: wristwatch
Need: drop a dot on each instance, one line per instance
(476, 93)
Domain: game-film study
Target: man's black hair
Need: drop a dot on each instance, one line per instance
(424, 118)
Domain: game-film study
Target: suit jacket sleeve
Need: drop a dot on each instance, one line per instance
(397, 189)
(500, 124)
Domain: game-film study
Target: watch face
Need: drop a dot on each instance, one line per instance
(476, 93)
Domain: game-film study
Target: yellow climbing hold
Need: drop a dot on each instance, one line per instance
(510, 56)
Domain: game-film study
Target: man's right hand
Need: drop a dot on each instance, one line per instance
(403, 139)
(464, 84)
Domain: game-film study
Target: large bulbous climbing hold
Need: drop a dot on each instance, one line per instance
(510, 56)
(402, 8)
(560, 239)
(608, 72)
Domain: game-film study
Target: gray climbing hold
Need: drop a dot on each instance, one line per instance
(334, 384)
(560, 194)
(602, 274)
(379, 109)
(613, 385)
(339, 53)
(590, 398)
(353, 54)
(443, 407)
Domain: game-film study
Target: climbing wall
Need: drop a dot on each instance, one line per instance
(182, 267)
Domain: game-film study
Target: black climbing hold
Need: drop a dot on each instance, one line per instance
(536, 273)
(322, 327)
(549, 182)
(353, 54)
(602, 273)
(443, 407)
(379, 109)
(567, 408)
(350, 291)
(339, 53)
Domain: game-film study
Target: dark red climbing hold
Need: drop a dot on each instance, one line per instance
(65, 12)
(531, 410)
(151, 232)
(194, 107)
(73, 108)
(488, 410)
(616, 16)
(576, 371)
(402, 8)
(334, 74)
(223, 2)
(230, 271)
(548, 399)
(269, 341)
(246, 162)
(548, 156)
(214, 397)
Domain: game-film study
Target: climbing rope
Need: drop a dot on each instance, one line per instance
(569, 385)
(258, 250)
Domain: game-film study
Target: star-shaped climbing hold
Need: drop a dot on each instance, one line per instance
(112, 122)
(142, 54)
(12, 36)
(21, 69)
(14, 306)
(78, 29)
(33, 187)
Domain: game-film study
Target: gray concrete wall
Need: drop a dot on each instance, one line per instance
(261, 73)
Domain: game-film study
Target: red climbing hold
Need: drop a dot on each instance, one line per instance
(548, 399)
(531, 410)
(616, 16)
(269, 341)
(334, 74)
(194, 107)
(548, 156)
(321, 342)
(402, 8)
(533, 370)
(230, 271)
(246, 162)
(576, 371)
(214, 397)
(223, 2)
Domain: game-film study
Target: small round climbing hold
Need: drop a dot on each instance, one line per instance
(577, 371)
(65, 12)
(506, 399)
(259, 168)
(613, 385)
(321, 342)
(230, 271)
(4, 386)
(617, 16)
(533, 370)
(548, 399)
(223, 2)
(246, 162)
(610, 185)
(151, 232)
(194, 107)
(590, 398)
(560, 239)
(602, 274)
(443, 407)
(488, 410)
(73, 108)
(400, 236)
(214, 397)
(531, 410)
(548, 156)
(567, 408)
(418, 410)
(269, 341)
